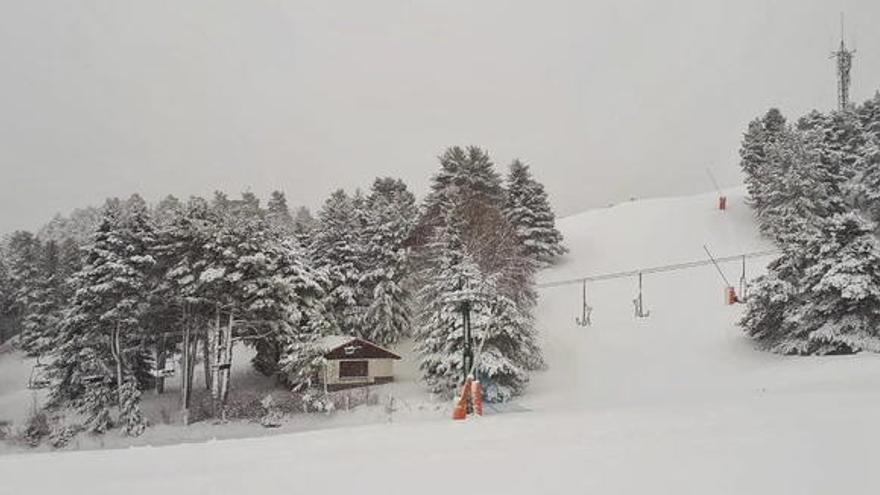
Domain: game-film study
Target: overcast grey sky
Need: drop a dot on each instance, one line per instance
(605, 99)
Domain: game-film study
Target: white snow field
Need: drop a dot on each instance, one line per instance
(677, 403)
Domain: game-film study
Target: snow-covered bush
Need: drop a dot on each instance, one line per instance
(36, 428)
(62, 434)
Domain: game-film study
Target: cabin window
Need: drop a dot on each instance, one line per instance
(352, 369)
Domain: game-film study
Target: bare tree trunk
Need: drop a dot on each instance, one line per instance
(227, 359)
(161, 360)
(206, 362)
(184, 373)
(216, 361)
(190, 372)
(117, 356)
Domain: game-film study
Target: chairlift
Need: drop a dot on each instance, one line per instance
(167, 371)
(93, 378)
(585, 319)
(38, 378)
(93, 372)
(639, 303)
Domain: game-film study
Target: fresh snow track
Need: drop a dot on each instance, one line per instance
(678, 403)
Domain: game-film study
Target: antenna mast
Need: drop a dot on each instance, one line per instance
(844, 58)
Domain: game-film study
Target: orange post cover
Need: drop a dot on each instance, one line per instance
(460, 411)
(461, 407)
(730, 296)
(477, 396)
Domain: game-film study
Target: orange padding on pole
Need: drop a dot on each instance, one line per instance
(477, 396)
(461, 407)
(730, 296)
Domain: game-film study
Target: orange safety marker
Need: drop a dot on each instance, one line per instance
(461, 407)
(459, 412)
(730, 296)
(477, 396)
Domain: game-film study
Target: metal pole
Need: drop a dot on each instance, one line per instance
(714, 263)
(468, 343)
(467, 352)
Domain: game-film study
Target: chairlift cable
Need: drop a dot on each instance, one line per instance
(655, 269)
(715, 264)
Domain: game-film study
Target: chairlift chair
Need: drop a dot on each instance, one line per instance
(585, 319)
(639, 303)
(743, 284)
(168, 371)
(93, 378)
(38, 378)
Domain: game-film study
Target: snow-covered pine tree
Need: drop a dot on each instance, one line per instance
(182, 258)
(337, 249)
(467, 174)
(70, 262)
(868, 115)
(844, 288)
(235, 269)
(23, 252)
(753, 162)
(473, 255)
(5, 299)
(42, 315)
(282, 298)
(823, 295)
(162, 316)
(100, 342)
(132, 421)
(78, 226)
(391, 216)
(775, 304)
(439, 334)
(303, 226)
(838, 138)
(528, 211)
(866, 186)
(139, 234)
(250, 289)
(506, 344)
(306, 321)
(760, 172)
(278, 214)
(803, 188)
(503, 337)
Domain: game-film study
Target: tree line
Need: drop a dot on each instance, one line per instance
(815, 189)
(106, 297)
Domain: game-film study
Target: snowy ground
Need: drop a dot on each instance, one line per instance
(676, 403)
(410, 403)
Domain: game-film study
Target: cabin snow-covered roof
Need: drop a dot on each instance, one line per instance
(348, 347)
(330, 342)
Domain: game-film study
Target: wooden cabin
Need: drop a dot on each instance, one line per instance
(353, 362)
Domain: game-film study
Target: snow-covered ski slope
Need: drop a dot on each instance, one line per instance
(677, 403)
